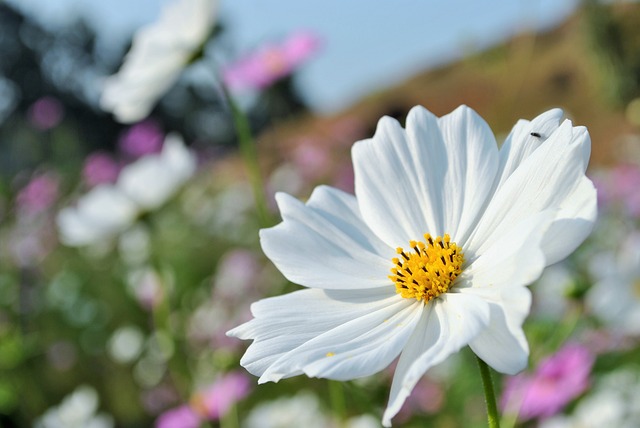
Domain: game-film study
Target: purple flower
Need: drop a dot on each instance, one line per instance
(100, 168)
(39, 194)
(215, 401)
(141, 139)
(180, 417)
(618, 186)
(45, 113)
(557, 381)
(270, 63)
(211, 403)
(311, 159)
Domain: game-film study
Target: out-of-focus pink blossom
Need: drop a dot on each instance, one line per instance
(209, 404)
(237, 272)
(619, 186)
(215, 401)
(39, 194)
(311, 159)
(271, 62)
(559, 379)
(46, 113)
(141, 139)
(100, 168)
(180, 417)
(344, 178)
(426, 397)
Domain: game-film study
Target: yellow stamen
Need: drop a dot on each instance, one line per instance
(426, 270)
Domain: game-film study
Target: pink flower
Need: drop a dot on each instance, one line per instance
(215, 401)
(180, 417)
(210, 404)
(100, 168)
(559, 379)
(270, 63)
(46, 113)
(141, 139)
(39, 194)
(311, 159)
(427, 397)
(619, 186)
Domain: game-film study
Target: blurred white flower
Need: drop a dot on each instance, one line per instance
(125, 345)
(550, 289)
(158, 54)
(302, 410)
(153, 179)
(77, 410)
(615, 297)
(433, 253)
(363, 421)
(144, 185)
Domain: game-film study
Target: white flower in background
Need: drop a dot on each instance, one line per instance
(144, 185)
(550, 291)
(302, 410)
(615, 297)
(159, 53)
(433, 253)
(77, 410)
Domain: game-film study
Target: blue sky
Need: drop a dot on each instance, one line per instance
(368, 44)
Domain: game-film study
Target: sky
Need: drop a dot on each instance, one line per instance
(367, 44)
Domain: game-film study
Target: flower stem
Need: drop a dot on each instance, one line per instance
(489, 394)
(250, 157)
(336, 396)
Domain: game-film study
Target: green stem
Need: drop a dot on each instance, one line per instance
(250, 157)
(336, 396)
(489, 394)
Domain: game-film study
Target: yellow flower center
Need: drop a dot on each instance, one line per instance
(428, 269)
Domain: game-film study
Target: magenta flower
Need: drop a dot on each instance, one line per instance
(100, 168)
(557, 381)
(180, 417)
(39, 194)
(46, 113)
(209, 404)
(141, 139)
(215, 401)
(311, 159)
(270, 63)
(619, 186)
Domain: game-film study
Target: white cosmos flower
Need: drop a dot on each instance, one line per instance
(158, 54)
(144, 185)
(504, 215)
(615, 297)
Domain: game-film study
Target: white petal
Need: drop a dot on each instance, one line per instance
(418, 181)
(284, 323)
(543, 181)
(503, 344)
(499, 277)
(520, 143)
(472, 165)
(388, 177)
(326, 244)
(573, 224)
(360, 347)
(447, 324)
